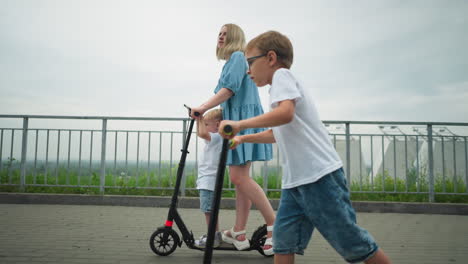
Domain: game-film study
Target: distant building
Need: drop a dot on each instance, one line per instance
(396, 155)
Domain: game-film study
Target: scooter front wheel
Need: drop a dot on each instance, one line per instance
(164, 241)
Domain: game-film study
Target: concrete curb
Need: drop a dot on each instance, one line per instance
(226, 203)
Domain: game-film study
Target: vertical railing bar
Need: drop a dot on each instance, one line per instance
(137, 159)
(360, 162)
(265, 176)
(58, 157)
(102, 181)
(455, 179)
(417, 164)
(431, 164)
(170, 160)
(91, 159)
(394, 164)
(334, 141)
(372, 161)
(11, 155)
(383, 164)
(79, 157)
(160, 159)
(24, 148)
(126, 158)
(466, 166)
(348, 154)
(148, 173)
(35, 157)
(115, 159)
(47, 158)
(68, 162)
(1, 149)
(443, 163)
(406, 163)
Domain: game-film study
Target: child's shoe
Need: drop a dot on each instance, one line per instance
(201, 243)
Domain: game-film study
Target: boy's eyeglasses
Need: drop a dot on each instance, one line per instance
(251, 60)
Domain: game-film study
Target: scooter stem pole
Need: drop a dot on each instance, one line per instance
(216, 203)
(180, 169)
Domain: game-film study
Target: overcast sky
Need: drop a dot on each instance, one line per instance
(360, 60)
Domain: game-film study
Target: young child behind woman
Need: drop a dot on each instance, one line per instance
(207, 129)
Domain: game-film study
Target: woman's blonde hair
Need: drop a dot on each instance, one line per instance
(214, 115)
(277, 42)
(235, 41)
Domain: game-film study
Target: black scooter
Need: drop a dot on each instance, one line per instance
(165, 239)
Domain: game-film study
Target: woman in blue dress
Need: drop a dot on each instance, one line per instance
(238, 96)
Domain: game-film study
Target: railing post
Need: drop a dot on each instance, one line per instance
(348, 155)
(466, 166)
(102, 181)
(24, 148)
(430, 163)
(265, 176)
(184, 136)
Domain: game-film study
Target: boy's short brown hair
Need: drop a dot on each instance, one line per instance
(277, 42)
(215, 115)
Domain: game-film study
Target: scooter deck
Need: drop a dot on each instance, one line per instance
(226, 246)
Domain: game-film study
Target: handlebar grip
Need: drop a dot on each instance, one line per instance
(190, 110)
(227, 129)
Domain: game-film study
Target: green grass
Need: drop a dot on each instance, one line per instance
(163, 183)
(402, 189)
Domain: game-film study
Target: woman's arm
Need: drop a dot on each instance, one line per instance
(222, 95)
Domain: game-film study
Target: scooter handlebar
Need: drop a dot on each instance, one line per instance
(227, 130)
(190, 110)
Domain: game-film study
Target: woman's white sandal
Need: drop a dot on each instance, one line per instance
(240, 245)
(269, 242)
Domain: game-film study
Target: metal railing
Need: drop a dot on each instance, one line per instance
(421, 161)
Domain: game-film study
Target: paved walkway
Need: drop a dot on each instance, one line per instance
(117, 234)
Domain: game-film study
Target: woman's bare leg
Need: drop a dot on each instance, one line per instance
(248, 192)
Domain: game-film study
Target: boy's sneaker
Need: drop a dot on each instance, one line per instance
(201, 243)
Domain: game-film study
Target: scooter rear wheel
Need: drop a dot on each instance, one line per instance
(164, 241)
(258, 240)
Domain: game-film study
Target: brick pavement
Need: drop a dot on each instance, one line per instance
(117, 234)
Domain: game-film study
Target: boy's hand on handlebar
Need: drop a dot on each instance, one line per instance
(234, 125)
(236, 141)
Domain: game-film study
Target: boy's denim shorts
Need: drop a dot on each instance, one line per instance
(324, 205)
(206, 200)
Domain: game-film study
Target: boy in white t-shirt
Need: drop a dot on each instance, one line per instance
(314, 192)
(207, 129)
